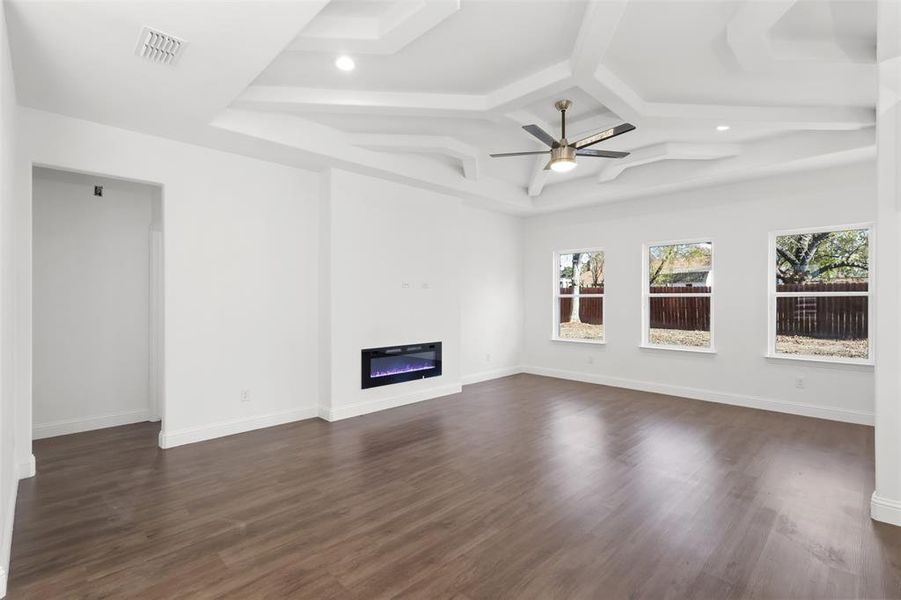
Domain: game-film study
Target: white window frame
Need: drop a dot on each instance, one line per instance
(646, 296)
(555, 321)
(772, 294)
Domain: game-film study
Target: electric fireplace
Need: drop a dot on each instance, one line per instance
(394, 364)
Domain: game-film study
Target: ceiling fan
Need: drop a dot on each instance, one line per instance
(563, 154)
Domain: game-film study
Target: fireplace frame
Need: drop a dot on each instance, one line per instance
(368, 354)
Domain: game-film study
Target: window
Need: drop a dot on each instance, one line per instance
(678, 296)
(820, 294)
(579, 296)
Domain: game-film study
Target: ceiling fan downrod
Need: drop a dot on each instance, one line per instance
(563, 106)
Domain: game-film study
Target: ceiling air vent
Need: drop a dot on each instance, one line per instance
(159, 47)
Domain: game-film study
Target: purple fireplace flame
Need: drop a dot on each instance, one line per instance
(396, 364)
(383, 367)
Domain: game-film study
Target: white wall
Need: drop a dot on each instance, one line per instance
(10, 303)
(91, 302)
(738, 218)
(241, 241)
(394, 278)
(404, 265)
(491, 294)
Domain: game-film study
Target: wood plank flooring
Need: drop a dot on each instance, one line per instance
(523, 487)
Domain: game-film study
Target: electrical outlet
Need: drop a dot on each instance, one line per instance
(799, 382)
(590, 359)
(245, 395)
(487, 358)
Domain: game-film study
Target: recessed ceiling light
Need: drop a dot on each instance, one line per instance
(345, 63)
(723, 127)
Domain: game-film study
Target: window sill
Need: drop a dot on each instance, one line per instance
(678, 348)
(575, 341)
(822, 360)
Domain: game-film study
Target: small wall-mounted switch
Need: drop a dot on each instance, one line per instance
(98, 190)
(245, 395)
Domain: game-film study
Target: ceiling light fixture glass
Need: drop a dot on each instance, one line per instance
(563, 165)
(563, 159)
(345, 63)
(723, 127)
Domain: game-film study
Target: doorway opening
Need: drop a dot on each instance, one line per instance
(97, 302)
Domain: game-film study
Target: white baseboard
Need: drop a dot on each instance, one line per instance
(67, 426)
(26, 468)
(794, 408)
(189, 435)
(885, 510)
(492, 374)
(362, 408)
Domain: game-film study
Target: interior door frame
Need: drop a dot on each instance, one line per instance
(156, 389)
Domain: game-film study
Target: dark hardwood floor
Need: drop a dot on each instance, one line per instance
(523, 487)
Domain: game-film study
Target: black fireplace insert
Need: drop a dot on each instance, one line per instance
(394, 364)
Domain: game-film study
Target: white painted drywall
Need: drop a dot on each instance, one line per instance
(10, 342)
(90, 302)
(240, 274)
(885, 504)
(491, 294)
(737, 218)
(393, 266)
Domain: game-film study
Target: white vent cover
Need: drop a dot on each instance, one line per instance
(159, 47)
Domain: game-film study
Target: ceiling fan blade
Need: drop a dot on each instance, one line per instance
(541, 134)
(604, 135)
(518, 153)
(602, 153)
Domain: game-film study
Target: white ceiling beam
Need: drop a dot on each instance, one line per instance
(596, 33)
(666, 151)
(302, 135)
(584, 69)
(531, 88)
(813, 118)
(607, 87)
(293, 98)
(772, 155)
(748, 36)
(514, 95)
(599, 24)
(467, 155)
(599, 81)
(388, 33)
(539, 176)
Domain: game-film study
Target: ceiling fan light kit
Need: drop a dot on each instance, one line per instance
(563, 154)
(563, 159)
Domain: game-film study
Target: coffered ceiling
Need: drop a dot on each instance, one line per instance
(440, 84)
